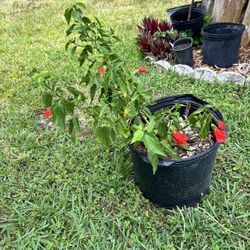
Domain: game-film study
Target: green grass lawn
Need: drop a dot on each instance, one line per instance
(58, 195)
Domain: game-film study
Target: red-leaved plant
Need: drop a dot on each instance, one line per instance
(155, 38)
(115, 98)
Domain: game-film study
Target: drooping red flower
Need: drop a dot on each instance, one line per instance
(180, 138)
(221, 125)
(142, 70)
(100, 70)
(47, 113)
(220, 135)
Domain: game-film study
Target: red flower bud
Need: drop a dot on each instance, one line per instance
(47, 113)
(180, 138)
(221, 125)
(220, 135)
(142, 70)
(100, 70)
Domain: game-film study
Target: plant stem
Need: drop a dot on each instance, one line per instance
(190, 10)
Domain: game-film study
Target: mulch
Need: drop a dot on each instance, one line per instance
(242, 66)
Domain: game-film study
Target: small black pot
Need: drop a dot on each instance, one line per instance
(183, 49)
(180, 23)
(221, 43)
(180, 182)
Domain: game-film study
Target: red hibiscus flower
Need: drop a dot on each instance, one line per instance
(100, 70)
(47, 113)
(220, 135)
(142, 70)
(221, 125)
(180, 138)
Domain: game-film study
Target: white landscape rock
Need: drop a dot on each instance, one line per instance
(205, 74)
(162, 65)
(152, 59)
(231, 77)
(183, 69)
(248, 80)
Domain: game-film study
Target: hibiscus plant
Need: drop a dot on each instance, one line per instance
(110, 95)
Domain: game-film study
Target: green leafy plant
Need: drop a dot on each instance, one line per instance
(111, 96)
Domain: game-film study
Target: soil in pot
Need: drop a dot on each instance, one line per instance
(196, 145)
(182, 46)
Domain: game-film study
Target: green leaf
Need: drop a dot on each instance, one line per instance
(105, 135)
(67, 45)
(69, 30)
(154, 161)
(98, 21)
(86, 20)
(153, 145)
(77, 93)
(138, 135)
(77, 14)
(150, 126)
(170, 151)
(83, 56)
(199, 111)
(73, 50)
(205, 125)
(74, 128)
(92, 92)
(59, 114)
(86, 78)
(69, 106)
(67, 14)
(47, 99)
(162, 129)
(81, 5)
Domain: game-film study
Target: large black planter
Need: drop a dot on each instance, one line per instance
(182, 182)
(183, 49)
(221, 43)
(180, 23)
(197, 4)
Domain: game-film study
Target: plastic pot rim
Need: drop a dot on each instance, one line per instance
(209, 35)
(185, 38)
(186, 9)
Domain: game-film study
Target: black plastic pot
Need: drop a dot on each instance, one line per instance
(197, 4)
(180, 182)
(180, 23)
(221, 43)
(183, 49)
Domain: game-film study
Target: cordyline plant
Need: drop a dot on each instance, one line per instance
(114, 97)
(155, 37)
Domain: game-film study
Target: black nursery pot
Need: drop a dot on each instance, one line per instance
(182, 182)
(183, 49)
(197, 4)
(221, 43)
(180, 23)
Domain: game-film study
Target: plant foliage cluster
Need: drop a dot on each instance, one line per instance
(156, 38)
(114, 96)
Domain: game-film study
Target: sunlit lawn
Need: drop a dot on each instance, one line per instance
(58, 195)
